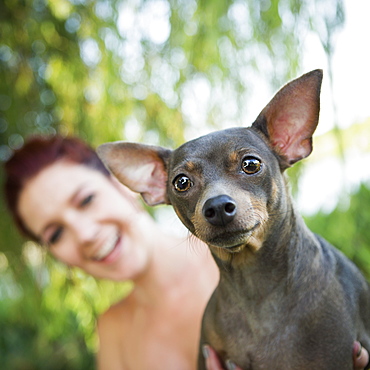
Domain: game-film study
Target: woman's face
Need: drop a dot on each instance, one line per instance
(87, 219)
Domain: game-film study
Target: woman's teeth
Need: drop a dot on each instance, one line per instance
(106, 248)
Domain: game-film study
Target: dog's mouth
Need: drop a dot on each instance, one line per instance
(235, 241)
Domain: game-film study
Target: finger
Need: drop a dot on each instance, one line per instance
(212, 361)
(360, 356)
(231, 366)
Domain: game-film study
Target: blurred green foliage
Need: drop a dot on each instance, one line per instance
(48, 312)
(133, 69)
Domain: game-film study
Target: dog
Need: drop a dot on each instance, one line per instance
(286, 298)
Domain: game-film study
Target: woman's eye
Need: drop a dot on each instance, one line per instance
(251, 165)
(55, 237)
(85, 201)
(182, 183)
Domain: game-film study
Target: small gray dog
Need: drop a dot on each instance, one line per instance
(286, 298)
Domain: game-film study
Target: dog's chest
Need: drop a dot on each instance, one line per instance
(272, 333)
(260, 325)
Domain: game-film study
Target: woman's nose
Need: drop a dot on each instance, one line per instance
(85, 230)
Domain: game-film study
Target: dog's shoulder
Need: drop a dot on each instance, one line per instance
(346, 272)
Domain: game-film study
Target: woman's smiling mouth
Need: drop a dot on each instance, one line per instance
(106, 249)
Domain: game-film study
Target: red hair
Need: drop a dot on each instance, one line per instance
(37, 153)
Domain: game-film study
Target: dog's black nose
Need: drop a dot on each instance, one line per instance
(220, 210)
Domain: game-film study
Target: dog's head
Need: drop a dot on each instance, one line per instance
(227, 187)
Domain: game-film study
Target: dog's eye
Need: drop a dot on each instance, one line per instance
(182, 183)
(251, 165)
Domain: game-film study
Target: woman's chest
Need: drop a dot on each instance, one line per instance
(163, 337)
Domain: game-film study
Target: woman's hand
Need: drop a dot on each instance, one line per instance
(360, 358)
(213, 362)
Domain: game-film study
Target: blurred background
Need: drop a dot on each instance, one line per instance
(162, 72)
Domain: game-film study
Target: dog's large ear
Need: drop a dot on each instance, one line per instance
(140, 167)
(291, 117)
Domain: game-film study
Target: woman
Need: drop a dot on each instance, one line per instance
(62, 196)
